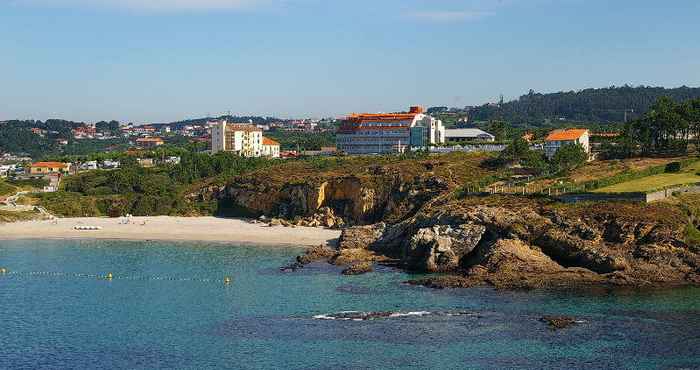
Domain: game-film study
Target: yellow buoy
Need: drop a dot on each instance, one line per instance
(227, 280)
(3, 270)
(109, 276)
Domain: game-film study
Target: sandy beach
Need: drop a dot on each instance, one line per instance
(164, 228)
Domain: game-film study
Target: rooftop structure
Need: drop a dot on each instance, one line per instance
(468, 134)
(369, 133)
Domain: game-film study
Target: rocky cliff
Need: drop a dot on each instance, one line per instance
(409, 212)
(359, 195)
(537, 243)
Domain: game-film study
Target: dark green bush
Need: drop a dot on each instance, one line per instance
(673, 167)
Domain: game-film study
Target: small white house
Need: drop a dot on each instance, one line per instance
(270, 148)
(558, 138)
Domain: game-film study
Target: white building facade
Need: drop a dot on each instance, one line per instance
(270, 148)
(241, 138)
(389, 133)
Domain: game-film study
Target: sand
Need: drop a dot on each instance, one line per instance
(164, 228)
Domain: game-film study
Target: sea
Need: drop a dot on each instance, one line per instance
(156, 305)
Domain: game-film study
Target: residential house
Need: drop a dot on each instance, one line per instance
(146, 162)
(149, 142)
(558, 138)
(48, 168)
(270, 148)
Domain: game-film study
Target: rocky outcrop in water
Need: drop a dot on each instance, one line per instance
(531, 247)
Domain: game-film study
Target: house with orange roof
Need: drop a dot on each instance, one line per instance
(270, 148)
(49, 168)
(558, 138)
(149, 142)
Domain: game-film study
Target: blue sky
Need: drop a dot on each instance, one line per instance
(164, 60)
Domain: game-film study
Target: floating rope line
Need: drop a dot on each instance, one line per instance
(107, 277)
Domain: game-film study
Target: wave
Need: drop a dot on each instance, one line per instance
(376, 315)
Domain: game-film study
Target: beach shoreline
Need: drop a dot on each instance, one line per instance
(174, 229)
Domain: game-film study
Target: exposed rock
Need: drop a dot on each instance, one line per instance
(359, 268)
(448, 281)
(559, 322)
(362, 237)
(355, 255)
(316, 254)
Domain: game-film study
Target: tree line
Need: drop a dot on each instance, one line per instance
(606, 105)
(667, 128)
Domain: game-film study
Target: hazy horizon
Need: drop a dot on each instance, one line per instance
(171, 60)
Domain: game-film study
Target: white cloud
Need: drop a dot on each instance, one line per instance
(448, 15)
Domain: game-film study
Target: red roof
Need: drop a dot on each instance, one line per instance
(267, 141)
(50, 164)
(392, 120)
(149, 139)
(566, 135)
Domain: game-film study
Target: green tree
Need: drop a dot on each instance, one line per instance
(499, 129)
(516, 151)
(568, 157)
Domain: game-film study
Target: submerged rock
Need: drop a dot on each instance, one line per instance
(559, 322)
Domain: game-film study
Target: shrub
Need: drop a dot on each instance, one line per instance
(673, 167)
(692, 235)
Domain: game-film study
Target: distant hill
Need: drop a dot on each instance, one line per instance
(258, 120)
(606, 105)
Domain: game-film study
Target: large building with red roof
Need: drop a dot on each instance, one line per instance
(389, 132)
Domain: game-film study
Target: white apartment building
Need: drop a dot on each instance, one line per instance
(389, 133)
(242, 138)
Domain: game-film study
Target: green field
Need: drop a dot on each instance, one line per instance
(647, 184)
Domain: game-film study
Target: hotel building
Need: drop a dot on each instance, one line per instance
(389, 133)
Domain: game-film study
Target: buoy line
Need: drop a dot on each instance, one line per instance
(108, 276)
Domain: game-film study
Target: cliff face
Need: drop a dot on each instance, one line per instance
(357, 200)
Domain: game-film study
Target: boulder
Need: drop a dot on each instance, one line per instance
(359, 268)
(441, 247)
(362, 237)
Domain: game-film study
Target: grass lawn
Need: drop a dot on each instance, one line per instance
(686, 176)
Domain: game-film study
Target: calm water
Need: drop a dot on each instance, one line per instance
(167, 307)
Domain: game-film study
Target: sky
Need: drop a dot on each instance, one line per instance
(164, 60)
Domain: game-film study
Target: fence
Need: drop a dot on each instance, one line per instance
(575, 194)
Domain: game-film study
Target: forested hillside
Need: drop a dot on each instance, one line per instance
(17, 137)
(606, 105)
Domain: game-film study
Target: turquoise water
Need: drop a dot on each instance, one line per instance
(167, 307)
